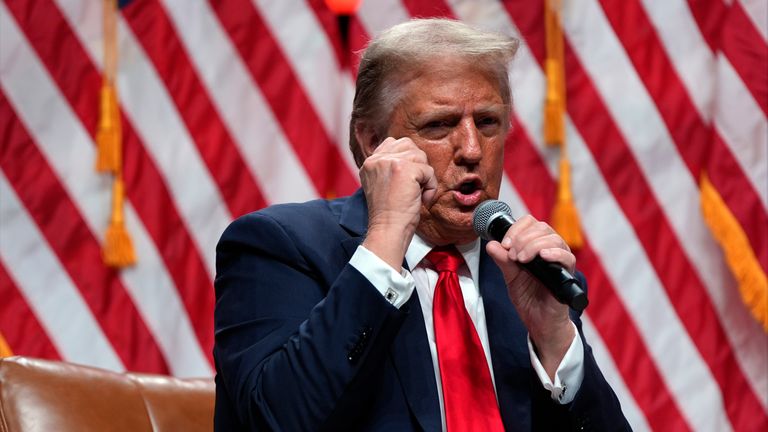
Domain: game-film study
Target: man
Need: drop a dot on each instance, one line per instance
(383, 310)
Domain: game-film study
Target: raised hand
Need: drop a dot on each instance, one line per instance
(397, 180)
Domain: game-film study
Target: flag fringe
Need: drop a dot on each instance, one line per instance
(5, 349)
(741, 259)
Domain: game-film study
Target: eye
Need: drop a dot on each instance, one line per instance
(487, 121)
(488, 125)
(435, 124)
(436, 129)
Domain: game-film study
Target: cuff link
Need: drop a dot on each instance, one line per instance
(391, 295)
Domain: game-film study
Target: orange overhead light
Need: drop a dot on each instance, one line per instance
(343, 7)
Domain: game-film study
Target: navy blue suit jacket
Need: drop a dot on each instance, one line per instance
(305, 342)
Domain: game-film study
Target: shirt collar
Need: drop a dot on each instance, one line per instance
(419, 248)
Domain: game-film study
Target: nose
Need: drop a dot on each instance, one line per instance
(469, 150)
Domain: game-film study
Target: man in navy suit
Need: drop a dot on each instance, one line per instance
(331, 315)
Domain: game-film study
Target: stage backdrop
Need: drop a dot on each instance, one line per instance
(229, 106)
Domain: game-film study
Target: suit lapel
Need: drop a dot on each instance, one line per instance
(509, 349)
(410, 349)
(413, 364)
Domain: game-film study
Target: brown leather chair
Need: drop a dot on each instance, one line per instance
(42, 395)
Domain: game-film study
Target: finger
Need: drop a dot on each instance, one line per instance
(497, 252)
(393, 145)
(532, 248)
(561, 256)
(531, 233)
(516, 229)
(385, 146)
(412, 151)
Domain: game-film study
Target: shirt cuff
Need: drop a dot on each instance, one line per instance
(569, 374)
(395, 287)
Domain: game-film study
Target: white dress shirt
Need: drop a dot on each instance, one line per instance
(397, 288)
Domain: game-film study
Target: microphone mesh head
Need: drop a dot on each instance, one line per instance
(485, 213)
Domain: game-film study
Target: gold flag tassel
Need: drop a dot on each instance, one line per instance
(565, 217)
(741, 259)
(118, 248)
(109, 134)
(554, 102)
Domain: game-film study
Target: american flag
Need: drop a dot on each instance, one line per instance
(228, 106)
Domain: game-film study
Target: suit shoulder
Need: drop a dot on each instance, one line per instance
(296, 220)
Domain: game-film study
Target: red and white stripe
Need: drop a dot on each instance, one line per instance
(231, 106)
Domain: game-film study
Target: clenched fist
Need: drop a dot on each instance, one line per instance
(397, 180)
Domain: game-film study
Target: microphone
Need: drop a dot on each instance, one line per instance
(492, 219)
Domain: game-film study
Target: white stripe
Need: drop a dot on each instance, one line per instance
(164, 136)
(46, 286)
(715, 89)
(240, 103)
(757, 10)
(612, 236)
(294, 26)
(70, 152)
(509, 195)
(610, 371)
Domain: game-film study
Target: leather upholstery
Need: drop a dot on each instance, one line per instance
(42, 395)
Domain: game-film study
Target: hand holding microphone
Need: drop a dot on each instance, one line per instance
(491, 221)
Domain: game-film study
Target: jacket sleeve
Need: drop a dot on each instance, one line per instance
(290, 348)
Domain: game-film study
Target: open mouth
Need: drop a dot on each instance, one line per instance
(468, 193)
(469, 187)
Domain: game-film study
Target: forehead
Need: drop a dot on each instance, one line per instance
(448, 82)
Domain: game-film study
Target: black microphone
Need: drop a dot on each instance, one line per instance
(492, 219)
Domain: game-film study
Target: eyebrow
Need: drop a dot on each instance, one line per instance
(493, 109)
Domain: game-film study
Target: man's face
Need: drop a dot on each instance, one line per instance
(453, 111)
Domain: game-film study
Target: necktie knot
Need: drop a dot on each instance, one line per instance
(445, 258)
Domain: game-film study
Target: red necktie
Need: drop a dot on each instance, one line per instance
(470, 402)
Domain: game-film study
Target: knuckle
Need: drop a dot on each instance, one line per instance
(396, 165)
(368, 164)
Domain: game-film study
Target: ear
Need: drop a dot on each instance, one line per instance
(366, 138)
